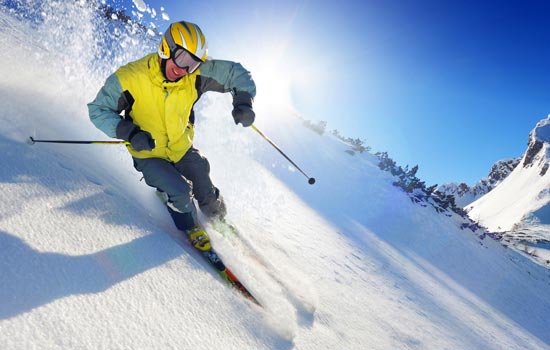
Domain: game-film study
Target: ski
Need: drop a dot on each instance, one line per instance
(227, 275)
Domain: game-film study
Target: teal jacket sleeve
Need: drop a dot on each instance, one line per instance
(226, 76)
(104, 110)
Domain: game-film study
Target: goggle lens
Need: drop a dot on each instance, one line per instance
(185, 60)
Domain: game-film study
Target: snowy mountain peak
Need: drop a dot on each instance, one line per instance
(519, 207)
(537, 154)
(539, 138)
(541, 132)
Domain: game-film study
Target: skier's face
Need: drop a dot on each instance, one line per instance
(173, 72)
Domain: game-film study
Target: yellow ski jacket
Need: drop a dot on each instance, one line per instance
(164, 108)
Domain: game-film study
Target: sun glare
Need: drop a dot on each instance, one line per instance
(272, 84)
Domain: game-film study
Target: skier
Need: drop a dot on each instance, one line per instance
(149, 103)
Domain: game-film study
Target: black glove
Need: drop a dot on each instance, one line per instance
(139, 140)
(242, 109)
(243, 114)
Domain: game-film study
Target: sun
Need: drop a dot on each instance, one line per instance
(273, 77)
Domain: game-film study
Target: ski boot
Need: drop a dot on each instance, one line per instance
(199, 239)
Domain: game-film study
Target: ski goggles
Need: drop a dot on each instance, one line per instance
(186, 60)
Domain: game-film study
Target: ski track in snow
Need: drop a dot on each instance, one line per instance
(290, 287)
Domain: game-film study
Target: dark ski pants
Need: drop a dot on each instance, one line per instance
(182, 181)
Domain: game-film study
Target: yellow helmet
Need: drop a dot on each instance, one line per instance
(183, 35)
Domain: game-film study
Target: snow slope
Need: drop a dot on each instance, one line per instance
(89, 257)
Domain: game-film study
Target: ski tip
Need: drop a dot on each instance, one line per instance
(235, 283)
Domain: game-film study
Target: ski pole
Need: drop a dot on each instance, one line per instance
(310, 180)
(33, 141)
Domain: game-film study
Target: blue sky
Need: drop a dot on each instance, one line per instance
(452, 86)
